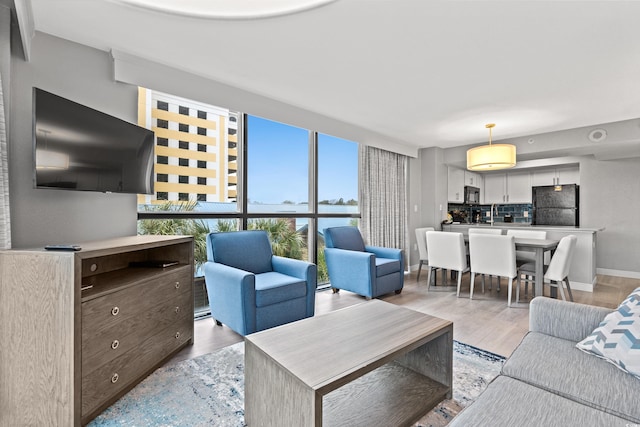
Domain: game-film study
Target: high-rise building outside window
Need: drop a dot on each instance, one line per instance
(191, 135)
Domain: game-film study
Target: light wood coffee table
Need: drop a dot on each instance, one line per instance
(374, 363)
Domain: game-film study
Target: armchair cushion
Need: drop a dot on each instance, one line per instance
(273, 287)
(386, 266)
(347, 237)
(233, 249)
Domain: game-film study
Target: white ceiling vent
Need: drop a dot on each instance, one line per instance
(597, 135)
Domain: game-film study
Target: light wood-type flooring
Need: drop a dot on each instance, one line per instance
(484, 322)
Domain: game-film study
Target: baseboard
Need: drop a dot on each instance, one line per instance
(581, 286)
(618, 273)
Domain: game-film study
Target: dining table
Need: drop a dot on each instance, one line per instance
(538, 247)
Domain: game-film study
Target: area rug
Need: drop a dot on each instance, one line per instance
(209, 390)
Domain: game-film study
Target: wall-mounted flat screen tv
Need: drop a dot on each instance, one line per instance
(79, 148)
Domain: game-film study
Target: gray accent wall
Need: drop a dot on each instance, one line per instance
(84, 75)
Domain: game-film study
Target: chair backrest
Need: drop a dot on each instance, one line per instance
(446, 250)
(561, 260)
(527, 234)
(421, 237)
(495, 231)
(248, 250)
(492, 254)
(346, 237)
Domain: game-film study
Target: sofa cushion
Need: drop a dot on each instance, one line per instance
(272, 288)
(507, 402)
(556, 365)
(386, 266)
(617, 338)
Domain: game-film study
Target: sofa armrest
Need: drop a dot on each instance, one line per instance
(563, 319)
(391, 253)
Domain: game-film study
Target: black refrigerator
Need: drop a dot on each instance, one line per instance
(556, 205)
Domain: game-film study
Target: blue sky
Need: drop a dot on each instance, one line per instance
(278, 157)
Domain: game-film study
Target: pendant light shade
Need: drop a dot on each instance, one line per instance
(492, 156)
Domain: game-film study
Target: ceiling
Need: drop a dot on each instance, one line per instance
(428, 73)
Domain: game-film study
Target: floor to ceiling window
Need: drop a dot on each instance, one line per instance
(218, 170)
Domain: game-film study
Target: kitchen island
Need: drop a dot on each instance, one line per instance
(583, 265)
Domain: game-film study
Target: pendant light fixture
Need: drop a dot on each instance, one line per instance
(491, 157)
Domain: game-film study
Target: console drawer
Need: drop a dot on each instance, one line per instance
(104, 312)
(102, 347)
(106, 382)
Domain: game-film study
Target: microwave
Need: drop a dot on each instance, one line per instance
(471, 195)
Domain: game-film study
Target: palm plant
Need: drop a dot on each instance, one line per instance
(179, 226)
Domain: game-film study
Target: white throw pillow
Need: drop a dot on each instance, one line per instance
(617, 338)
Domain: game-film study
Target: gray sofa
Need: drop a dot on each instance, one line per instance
(547, 381)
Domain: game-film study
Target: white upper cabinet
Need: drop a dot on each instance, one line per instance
(457, 179)
(473, 179)
(510, 187)
(519, 187)
(455, 187)
(556, 176)
(495, 188)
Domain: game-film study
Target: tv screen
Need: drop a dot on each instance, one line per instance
(79, 148)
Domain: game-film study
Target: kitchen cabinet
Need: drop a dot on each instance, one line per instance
(510, 187)
(473, 179)
(556, 176)
(455, 185)
(457, 179)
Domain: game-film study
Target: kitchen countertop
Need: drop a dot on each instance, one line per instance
(521, 224)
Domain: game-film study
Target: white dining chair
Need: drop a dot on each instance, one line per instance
(523, 257)
(421, 238)
(556, 272)
(494, 255)
(447, 252)
(487, 230)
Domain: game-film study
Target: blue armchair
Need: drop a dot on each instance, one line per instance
(369, 271)
(250, 289)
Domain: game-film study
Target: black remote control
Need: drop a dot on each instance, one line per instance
(62, 247)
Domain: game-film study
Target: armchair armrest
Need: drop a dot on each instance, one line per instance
(381, 252)
(304, 270)
(563, 319)
(350, 270)
(294, 267)
(229, 288)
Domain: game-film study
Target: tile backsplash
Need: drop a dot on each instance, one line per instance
(517, 212)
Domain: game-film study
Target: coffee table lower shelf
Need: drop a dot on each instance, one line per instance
(391, 395)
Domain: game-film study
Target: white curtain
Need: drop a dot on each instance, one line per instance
(383, 198)
(5, 223)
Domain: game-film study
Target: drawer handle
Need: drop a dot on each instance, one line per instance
(114, 378)
(177, 285)
(115, 344)
(177, 335)
(115, 311)
(177, 310)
